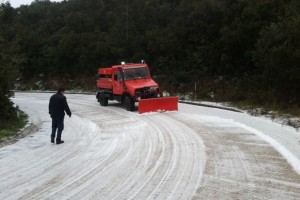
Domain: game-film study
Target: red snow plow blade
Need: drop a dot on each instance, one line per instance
(158, 104)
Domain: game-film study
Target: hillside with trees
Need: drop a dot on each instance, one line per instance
(235, 50)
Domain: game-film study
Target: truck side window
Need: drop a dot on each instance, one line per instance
(119, 77)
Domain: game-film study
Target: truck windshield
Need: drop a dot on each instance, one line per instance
(136, 73)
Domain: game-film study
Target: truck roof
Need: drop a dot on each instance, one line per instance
(131, 65)
(109, 70)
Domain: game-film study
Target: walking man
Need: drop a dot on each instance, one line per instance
(57, 107)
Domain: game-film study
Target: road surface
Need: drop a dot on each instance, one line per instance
(110, 153)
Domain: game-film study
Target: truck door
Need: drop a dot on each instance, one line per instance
(118, 83)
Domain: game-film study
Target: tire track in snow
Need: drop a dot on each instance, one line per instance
(181, 160)
(120, 156)
(48, 175)
(155, 174)
(240, 164)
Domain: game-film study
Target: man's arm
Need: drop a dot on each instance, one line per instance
(66, 107)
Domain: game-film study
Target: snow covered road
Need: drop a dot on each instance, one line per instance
(109, 153)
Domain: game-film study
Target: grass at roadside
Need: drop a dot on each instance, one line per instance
(11, 127)
(287, 109)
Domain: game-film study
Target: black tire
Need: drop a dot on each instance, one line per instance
(129, 103)
(103, 100)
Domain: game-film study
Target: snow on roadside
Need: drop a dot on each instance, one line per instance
(286, 119)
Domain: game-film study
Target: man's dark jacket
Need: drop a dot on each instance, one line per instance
(58, 105)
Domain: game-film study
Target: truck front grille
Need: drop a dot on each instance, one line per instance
(146, 93)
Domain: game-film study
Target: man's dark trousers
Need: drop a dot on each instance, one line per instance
(57, 123)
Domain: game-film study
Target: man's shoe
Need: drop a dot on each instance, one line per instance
(52, 140)
(60, 142)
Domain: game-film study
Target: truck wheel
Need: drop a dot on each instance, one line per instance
(103, 101)
(129, 103)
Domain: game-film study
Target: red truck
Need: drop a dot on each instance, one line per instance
(130, 83)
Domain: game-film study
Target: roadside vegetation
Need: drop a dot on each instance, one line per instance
(12, 120)
(11, 127)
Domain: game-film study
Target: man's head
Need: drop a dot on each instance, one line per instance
(61, 90)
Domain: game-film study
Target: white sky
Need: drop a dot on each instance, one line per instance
(18, 3)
